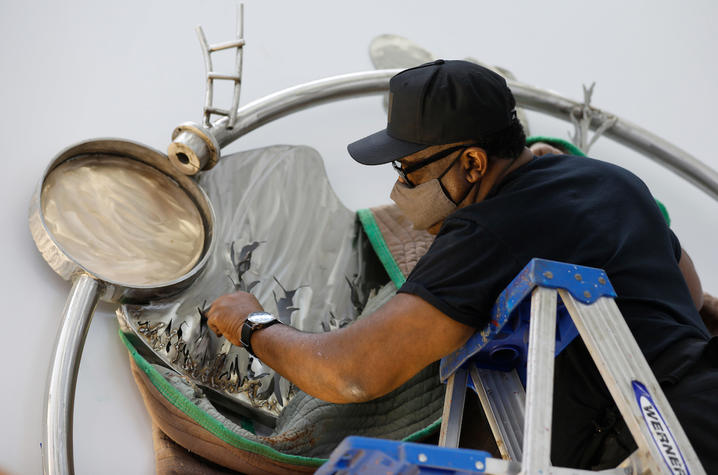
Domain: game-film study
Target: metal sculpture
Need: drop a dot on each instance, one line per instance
(197, 147)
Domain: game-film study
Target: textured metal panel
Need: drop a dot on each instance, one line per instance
(281, 233)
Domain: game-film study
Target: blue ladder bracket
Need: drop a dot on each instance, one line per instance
(503, 347)
(364, 455)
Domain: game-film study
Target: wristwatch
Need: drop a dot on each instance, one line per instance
(255, 321)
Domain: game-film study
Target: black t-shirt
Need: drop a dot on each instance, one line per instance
(571, 209)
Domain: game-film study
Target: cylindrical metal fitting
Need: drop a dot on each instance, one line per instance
(192, 149)
(188, 153)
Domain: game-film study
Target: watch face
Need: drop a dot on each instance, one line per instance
(261, 318)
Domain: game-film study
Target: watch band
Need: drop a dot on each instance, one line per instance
(251, 325)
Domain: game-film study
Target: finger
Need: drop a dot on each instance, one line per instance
(209, 313)
(219, 301)
(214, 328)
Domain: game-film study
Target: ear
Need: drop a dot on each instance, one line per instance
(474, 162)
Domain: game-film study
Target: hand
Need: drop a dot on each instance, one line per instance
(542, 148)
(228, 313)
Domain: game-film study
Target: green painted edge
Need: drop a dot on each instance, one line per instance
(664, 211)
(218, 429)
(573, 150)
(208, 422)
(371, 228)
(564, 144)
(248, 425)
(425, 432)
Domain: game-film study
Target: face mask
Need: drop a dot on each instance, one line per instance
(425, 204)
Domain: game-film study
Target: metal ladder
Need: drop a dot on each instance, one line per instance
(521, 422)
(212, 75)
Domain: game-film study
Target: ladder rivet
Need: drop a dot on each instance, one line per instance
(479, 466)
(548, 274)
(578, 277)
(587, 294)
(423, 458)
(601, 280)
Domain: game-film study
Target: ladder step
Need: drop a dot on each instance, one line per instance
(216, 110)
(228, 77)
(226, 45)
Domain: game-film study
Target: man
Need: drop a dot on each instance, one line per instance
(465, 174)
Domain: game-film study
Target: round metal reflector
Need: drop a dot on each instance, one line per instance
(116, 218)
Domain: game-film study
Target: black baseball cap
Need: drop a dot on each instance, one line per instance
(437, 103)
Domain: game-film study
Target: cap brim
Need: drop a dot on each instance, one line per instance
(381, 148)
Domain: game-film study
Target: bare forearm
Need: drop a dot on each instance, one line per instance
(311, 361)
(359, 362)
(325, 365)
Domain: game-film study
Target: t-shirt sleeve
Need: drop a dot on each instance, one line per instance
(676, 244)
(463, 272)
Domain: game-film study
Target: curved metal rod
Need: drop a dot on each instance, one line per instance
(60, 397)
(625, 133)
(294, 99)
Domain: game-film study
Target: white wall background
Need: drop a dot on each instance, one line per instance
(75, 69)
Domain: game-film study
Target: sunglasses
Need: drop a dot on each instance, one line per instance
(404, 171)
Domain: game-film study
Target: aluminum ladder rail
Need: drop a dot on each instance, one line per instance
(663, 446)
(212, 75)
